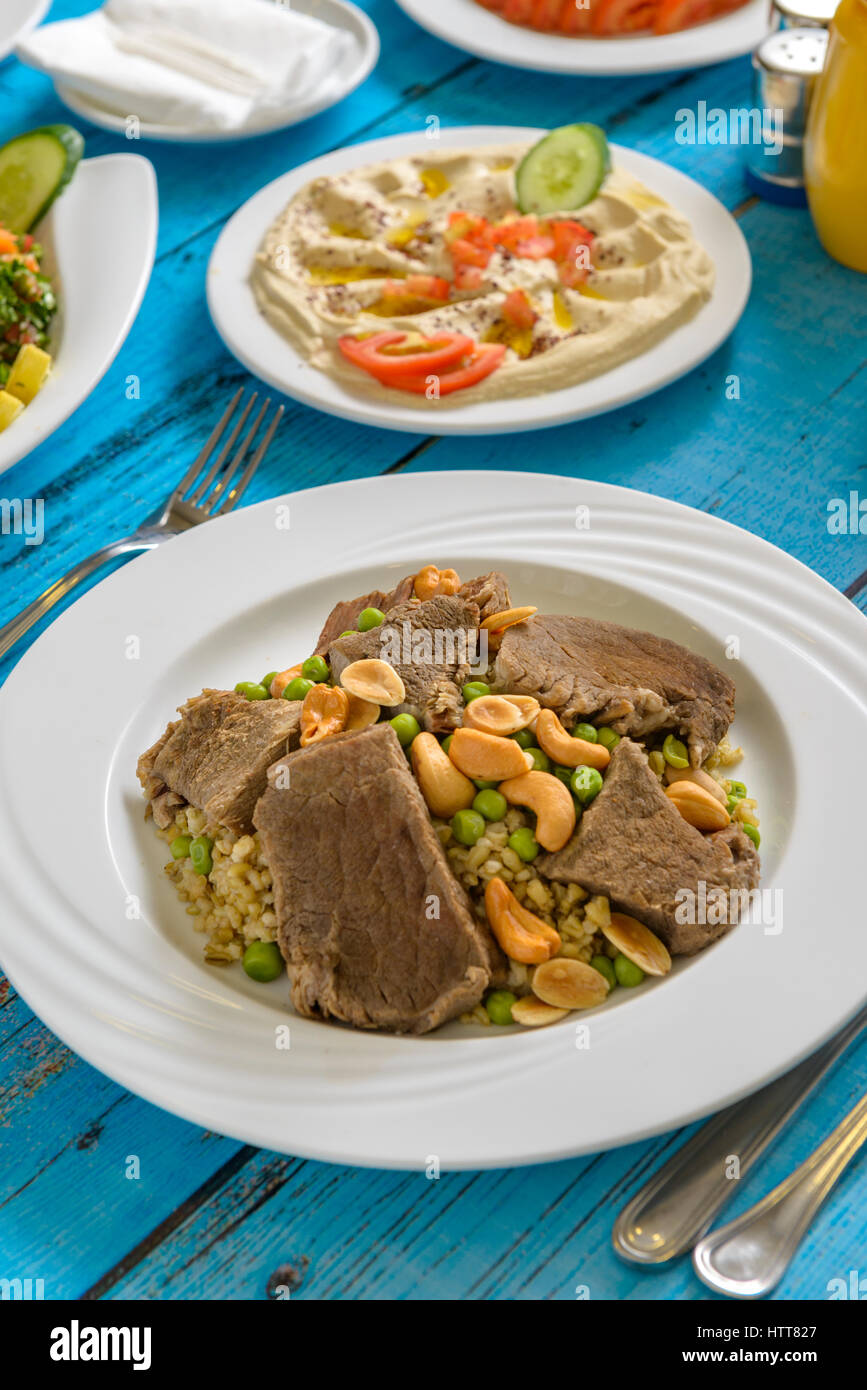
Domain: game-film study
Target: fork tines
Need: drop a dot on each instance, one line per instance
(220, 489)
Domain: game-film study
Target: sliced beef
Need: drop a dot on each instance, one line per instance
(374, 927)
(490, 593)
(345, 615)
(216, 756)
(633, 845)
(428, 645)
(631, 680)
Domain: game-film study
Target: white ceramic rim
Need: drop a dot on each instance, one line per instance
(159, 1022)
(268, 355)
(339, 13)
(467, 25)
(38, 10)
(98, 297)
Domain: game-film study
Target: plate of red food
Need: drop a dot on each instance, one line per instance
(600, 37)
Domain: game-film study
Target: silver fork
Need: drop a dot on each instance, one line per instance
(218, 491)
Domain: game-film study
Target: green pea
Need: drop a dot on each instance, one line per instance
(483, 785)
(731, 803)
(251, 690)
(585, 731)
(490, 804)
(541, 761)
(369, 618)
(524, 843)
(200, 854)
(468, 827)
(752, 832)
(674, 752)
(262, 961)
(297, 688)
(407, 727)
(474, 689)
(266, 680)
(447, 743)
(315, 669)
(627, 972)
(586, 784)
(606, 968)
(499, 1006)
(564, 773)
(607, 738)
(523, 738)
(180, 846)
(349, 632)
(737, 790)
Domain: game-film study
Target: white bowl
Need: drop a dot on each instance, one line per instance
(17, 18)
(99, 239)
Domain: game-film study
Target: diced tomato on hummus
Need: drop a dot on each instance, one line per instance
(518, 311)
(472, 241)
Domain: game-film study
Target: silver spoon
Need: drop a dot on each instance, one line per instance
(748, 1257)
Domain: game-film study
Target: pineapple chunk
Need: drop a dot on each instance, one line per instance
(10, 407)
(28, 374)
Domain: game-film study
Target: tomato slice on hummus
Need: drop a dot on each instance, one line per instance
(453, 358)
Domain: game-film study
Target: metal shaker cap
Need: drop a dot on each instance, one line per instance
(798, 13)
(785, 66)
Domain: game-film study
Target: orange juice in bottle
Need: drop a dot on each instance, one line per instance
(835, 150)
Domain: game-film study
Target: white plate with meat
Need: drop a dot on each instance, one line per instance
(691, 40)
(99, 945)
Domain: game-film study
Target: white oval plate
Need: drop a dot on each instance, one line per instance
(248, 335)
(352, 70)
(94, 938)
(100, 282)
(17, 18)
(469, 26)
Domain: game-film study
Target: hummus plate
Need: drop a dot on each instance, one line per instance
(699, 279)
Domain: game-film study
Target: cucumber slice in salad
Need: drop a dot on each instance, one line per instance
(34, 169)
(564, 171)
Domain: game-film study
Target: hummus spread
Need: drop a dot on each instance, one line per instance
(332, 263)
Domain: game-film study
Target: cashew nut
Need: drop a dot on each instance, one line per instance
(523, 936)
(569, 984)
(697, 806)
(323, 713)
(495, 714)
(642, 946)
(697, 775)
(554, 740)
(373, 680)
(550, 799)
(444, 788)
(280, 682)
(487, 756)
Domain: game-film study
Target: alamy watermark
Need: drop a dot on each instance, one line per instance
(442, 646)
(738, 126)
(717, 906)
(23, 517)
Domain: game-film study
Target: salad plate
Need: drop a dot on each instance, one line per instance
(17, 18)
(98, 945)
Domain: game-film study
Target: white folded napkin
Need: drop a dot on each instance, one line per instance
(199, 64)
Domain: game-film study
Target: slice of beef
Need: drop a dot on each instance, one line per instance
(633, 845)
(216, 756)
(634, 681)
(373, 925)
(430, 645)
(345, 615)
(490, 593)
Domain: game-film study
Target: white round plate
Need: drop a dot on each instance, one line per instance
(96, 941)
(17, 18)
(356, 65)
(248, 335)
(468, 25)
(100, 282)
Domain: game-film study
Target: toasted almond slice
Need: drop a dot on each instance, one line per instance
(638, 943)
(361, 713)
(533, 1013)
(697, 806)
(498, 622)
(373, 680)
(697, 775)
(569, 984)
(486, 755)
(494, 714)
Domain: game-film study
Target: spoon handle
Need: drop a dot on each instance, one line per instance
(748, 1257)
(673, 1209)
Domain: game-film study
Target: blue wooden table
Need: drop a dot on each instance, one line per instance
(210, 1218)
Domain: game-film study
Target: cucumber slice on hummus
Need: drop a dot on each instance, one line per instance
(563, 171)
(34, 169)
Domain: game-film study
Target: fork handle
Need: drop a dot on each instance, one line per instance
(29, 616)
